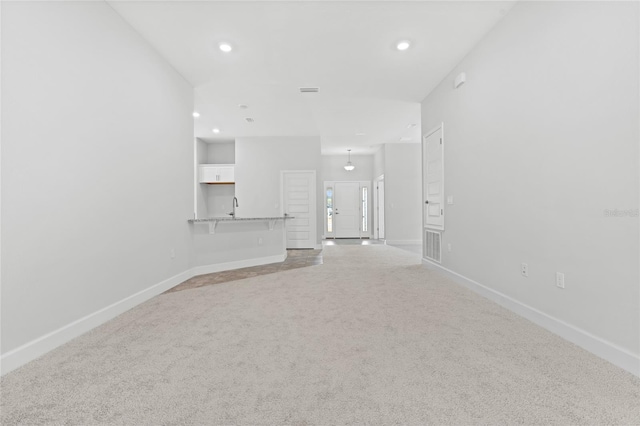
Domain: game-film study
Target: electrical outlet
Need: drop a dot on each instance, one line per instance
(260, 241)
(559, 279)
(172, 253)
(524, 270)
(449, 247)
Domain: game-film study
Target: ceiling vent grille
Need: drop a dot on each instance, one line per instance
(309, 90)
(432, 246)
(249, 120)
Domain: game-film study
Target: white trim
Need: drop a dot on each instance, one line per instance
(616, 355)
(363, 183)
(237, 264)
(29, 351)
(432, 131)
(314, 198)
(424, 167)
(375, 208)
(403, 242)
(195, 178)
(43, 344)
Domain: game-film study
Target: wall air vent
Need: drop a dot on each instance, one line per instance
(249, 120)
(309, 90)
(432, 249)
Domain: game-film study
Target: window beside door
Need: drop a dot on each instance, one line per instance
(361, 202)
(329, 209)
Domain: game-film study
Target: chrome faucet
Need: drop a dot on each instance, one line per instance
(234, 204)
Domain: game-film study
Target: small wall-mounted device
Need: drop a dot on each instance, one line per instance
(460, 79)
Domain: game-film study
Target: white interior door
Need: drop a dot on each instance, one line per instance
(433, 175)
(346, 210)
(380, 208)
(299, 201)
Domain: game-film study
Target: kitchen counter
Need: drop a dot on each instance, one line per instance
(231, 219)
(213, 221)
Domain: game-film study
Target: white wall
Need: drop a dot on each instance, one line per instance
(403, 193)
(539, 142)
(97, 166)
(378, 163)
(259, 161)
(236, 245)
(221, 153)
(201, 191)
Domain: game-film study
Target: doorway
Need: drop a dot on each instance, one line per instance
(433, 179)
(299, 201)
(347, 209)
(378, 209)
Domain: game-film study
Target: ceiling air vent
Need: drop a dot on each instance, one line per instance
(309, 90)
(249, 119)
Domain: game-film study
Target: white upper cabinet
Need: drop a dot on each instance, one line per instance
(216, 173)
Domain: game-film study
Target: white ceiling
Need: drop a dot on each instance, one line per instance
(346, 48)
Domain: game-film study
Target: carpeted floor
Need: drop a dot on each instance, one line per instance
(295, 259)
(368, 337)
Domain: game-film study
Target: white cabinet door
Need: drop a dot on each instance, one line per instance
(214, 173)
(226, 174)
(208, 174)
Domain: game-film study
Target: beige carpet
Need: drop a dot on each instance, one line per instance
(369, 337)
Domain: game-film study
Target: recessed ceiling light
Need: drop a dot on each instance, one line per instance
(196, 114)
(225, 47)
(215, 130)
(411, 126)
(360, 134)
(403, 45)
(243, 106)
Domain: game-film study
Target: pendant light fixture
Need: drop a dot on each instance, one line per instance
(348, 167)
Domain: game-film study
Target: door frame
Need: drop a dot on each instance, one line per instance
(313, 207)
(332, 184)
(378, 209)
(438, 128)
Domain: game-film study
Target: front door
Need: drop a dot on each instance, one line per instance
(346, 206)
(299, 201)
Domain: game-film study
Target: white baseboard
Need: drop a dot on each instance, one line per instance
(40, 346)
(616, 355)
(246, 263)
(403, 242)
(43, 344)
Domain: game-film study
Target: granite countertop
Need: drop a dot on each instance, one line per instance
(237, 219)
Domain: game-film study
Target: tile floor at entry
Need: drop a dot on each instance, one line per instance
(295, 259)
